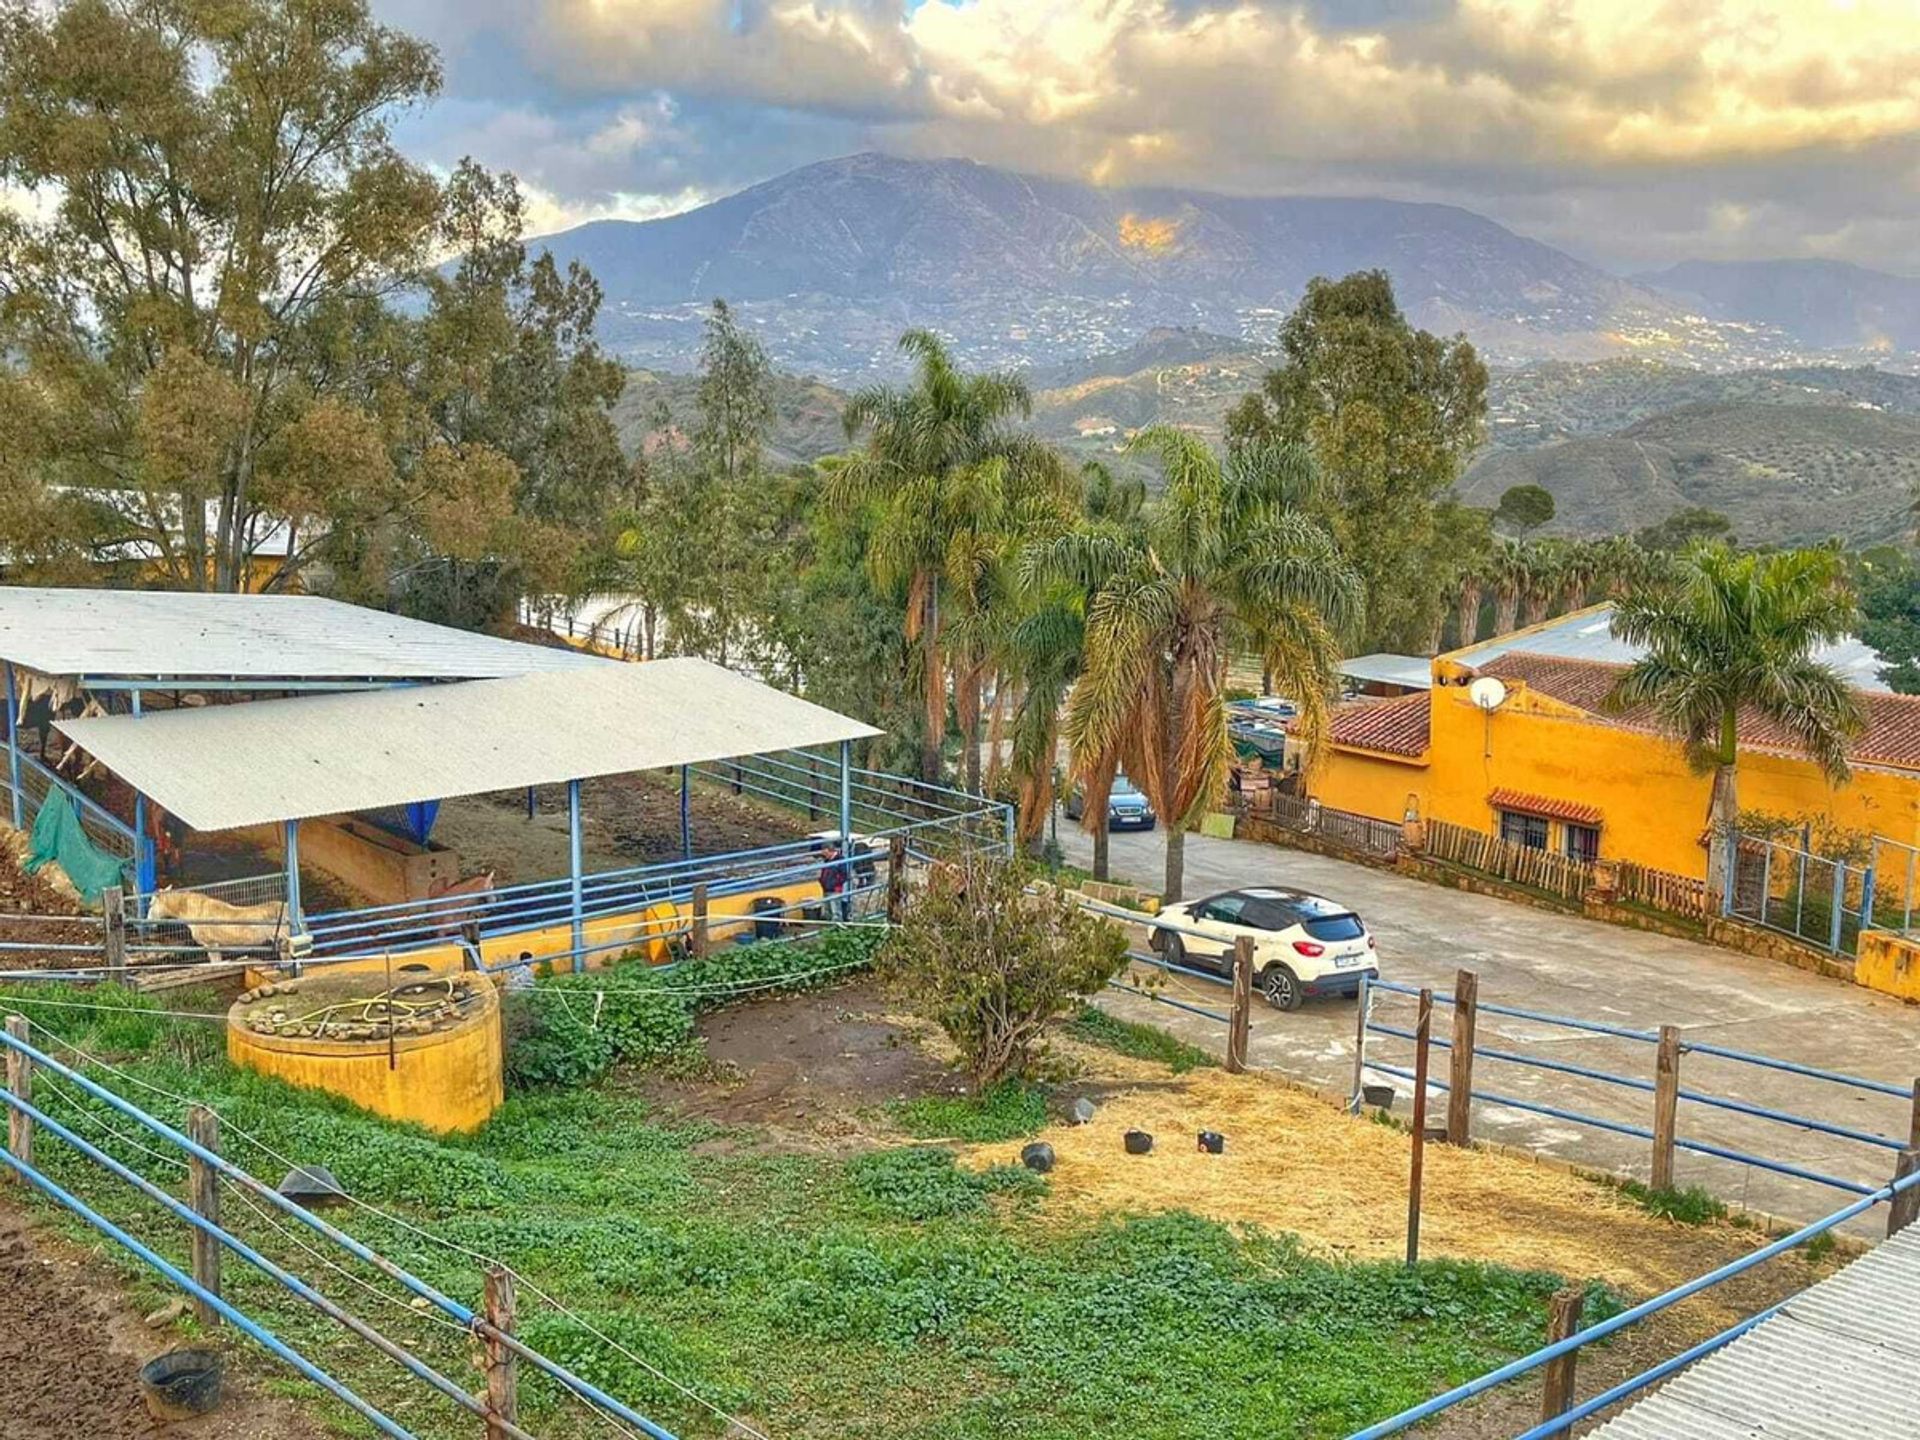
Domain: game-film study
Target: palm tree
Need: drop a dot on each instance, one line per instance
(1508, 569)
(1580, 562)
(945, 466)
(1543, 581)
(1733, 637)
(1229, 550)
(1471, 585)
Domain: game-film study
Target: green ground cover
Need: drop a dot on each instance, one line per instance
(886, 1293)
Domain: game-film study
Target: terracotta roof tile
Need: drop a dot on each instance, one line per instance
(1394, 727)
(1892, 736)
(1579, 814)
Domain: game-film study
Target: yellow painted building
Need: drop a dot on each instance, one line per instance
(1546, 767)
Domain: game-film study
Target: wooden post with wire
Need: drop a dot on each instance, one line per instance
(1422, 1048)
(896, 879)
(503, 1367)
(1466, 1016)
(20, 1086)
(1905, 1207)
(1563, 1323)
(697, 940)
(113, 913)
(1666, 1105)
(203, 1194)
(1241, 1019)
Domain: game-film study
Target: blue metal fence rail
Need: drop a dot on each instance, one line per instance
(462, 1315)
(1427, 1409)
(1370, 1026)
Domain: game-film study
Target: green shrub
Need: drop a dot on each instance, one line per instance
(1006, 1112)
(1691, 1206)
(922, 1182)
(1141, 1042)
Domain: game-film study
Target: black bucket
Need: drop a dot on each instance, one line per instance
(181, 1384)
(1377, 1097)
(770, 907)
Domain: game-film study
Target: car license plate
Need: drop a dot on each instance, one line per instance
(1346, 962)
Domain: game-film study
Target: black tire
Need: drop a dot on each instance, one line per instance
(1280, 988)
(1173, 950)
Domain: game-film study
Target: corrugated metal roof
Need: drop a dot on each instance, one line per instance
(1842, 1359)
(162, 633)
(1415, 672)
(1588, 635)
(230, 765)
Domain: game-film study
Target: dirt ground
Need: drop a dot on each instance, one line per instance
(72, 1349)
(625, 820)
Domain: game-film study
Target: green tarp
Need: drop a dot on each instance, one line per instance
(57, 839)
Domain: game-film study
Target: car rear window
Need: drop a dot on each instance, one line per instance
(1335, 927)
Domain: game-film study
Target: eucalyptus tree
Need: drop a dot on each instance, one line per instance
(1731, 638)
(1231, 549)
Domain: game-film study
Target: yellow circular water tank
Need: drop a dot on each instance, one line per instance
(428, 1050)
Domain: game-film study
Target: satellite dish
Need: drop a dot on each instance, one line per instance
(1487, 693)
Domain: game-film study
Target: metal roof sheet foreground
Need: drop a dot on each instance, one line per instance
(1588, 635)
(1840, 1359)
(175, 635)
(225, 766)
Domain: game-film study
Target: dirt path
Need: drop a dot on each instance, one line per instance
(71, 1352)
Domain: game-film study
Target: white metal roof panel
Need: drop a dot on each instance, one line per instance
(1415, 672)
(224, 766)
(1841, 1359)
(175, 635)
(1588, 635)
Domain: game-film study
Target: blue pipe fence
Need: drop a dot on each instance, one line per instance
(1772, 1164)
(203, 1285)
(1614, 1394)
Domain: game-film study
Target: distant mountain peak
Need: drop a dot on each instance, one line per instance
(830, 262)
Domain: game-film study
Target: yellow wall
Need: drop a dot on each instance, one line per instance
(1889, 962)
(450, 1080)
(1654, 806)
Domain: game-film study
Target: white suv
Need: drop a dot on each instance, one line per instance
(1303, 945)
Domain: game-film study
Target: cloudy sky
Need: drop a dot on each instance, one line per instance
(1632, 132)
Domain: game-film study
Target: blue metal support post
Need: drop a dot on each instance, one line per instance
(13, 751)
(573, 872)
(144, 877)
(846, 829)
(686, 813)
(295, 922)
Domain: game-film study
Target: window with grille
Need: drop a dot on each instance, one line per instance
(1519, 829)
(1582, 843)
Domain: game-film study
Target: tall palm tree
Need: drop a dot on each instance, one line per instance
(1733, 636)
(945, 464)
(1544, 560)
(1470, 585)
(1229, 550)
(1580, 562)
(1508, 571)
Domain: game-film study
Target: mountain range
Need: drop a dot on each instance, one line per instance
(831, 261)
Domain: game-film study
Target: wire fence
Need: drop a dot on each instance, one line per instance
(105, 829)
(486, 1322)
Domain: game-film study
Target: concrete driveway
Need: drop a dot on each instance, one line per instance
(1561, 965)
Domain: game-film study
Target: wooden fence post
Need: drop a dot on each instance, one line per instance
(1563, 1323)
(20, 1086)
(203, 1194)
(697, 941)
(113, 911)
(503, 1368)
(896, 878)
(1422, 1045)
(1466, 1015)
(1905, 1208)
(1666, 1105)
(1241, 1019)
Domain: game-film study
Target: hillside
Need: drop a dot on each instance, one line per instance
(806, 414)
(1821, 304)
(830, 262)
(1783, 472)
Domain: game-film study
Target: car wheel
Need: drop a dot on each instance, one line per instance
(1173, 950)
(1280, 987)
